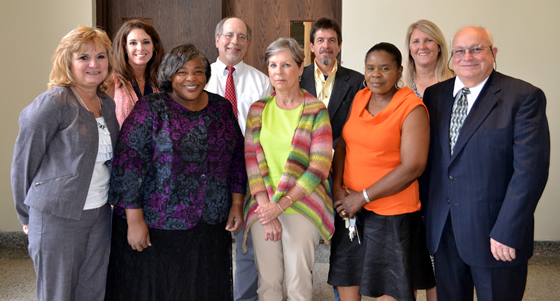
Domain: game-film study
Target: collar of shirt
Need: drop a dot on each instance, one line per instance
(238, 68)
(475, 91)
(324, 87)
(250, 86)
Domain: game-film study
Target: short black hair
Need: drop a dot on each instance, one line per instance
(390, 49)
(175, 59)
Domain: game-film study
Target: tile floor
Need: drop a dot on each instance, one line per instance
(17, 278)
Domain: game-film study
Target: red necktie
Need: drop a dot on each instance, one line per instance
(230, 90)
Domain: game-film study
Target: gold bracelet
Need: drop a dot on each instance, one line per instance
(282, 210)
(290, 198)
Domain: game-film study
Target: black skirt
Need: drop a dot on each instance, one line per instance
(192, 264)
(396, 261)
(346, 257)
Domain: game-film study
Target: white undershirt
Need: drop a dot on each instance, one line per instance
(99, 186)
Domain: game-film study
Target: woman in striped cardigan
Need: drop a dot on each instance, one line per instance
(288, 152)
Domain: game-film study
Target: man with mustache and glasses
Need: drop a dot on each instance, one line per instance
(242, 87)
(336, 86)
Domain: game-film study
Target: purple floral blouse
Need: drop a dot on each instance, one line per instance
(178, 165)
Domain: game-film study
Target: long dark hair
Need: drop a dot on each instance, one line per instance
(122, 68)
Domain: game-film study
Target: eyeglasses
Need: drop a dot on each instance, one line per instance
(460, 52)
(240, 37)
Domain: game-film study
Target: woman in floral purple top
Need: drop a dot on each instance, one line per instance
(177, 184)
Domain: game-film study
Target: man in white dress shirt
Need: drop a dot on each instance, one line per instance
(233, 37)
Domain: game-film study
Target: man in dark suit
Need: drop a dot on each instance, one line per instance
(325, 79)
(487, 168)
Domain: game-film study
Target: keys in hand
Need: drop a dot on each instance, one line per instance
(350, 224)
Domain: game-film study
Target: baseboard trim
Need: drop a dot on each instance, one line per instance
(13, 239)
(19, 240)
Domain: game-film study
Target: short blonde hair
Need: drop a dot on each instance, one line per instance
(78, 40)
(431, 29)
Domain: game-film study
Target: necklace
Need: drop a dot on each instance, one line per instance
(100, 125)
(78, 95)
(415, 89)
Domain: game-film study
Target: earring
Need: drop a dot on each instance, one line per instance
(364, 83)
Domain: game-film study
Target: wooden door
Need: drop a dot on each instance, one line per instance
(194, 21)
(176, 21)
(270, 19)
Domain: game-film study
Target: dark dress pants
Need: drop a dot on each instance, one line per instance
(456, 279)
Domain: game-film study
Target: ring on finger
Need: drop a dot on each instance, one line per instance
(343, 213)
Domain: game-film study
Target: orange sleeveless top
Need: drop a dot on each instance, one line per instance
(373, 149)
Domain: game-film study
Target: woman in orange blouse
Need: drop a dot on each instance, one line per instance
(381, 153)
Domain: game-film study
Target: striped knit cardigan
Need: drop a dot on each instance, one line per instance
(308, 165)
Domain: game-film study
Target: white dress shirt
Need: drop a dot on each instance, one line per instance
(475, 91)
(250, 86)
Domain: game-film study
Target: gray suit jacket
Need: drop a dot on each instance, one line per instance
(55, 153)
(346, 84)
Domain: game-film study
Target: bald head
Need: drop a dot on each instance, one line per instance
(473, 68)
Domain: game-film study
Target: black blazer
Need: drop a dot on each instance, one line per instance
(498, 171)
(346, 84)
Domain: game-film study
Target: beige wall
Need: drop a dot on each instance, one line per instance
(30, 31)
(525, 32)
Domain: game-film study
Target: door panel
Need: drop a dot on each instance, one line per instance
(270, 19)
(194, 21)
(176, 21)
